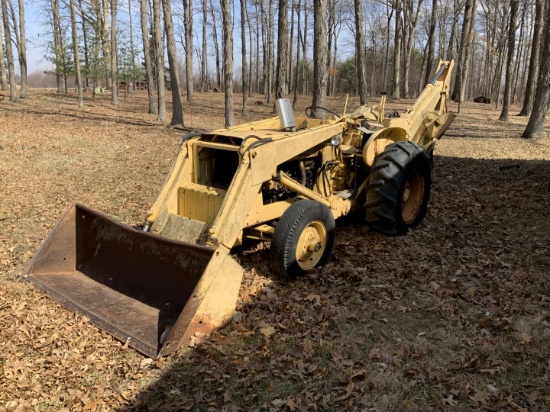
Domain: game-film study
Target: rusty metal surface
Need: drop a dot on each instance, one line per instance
(132, 284)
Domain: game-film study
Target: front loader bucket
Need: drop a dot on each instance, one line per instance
(144, 289)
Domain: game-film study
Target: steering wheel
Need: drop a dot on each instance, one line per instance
(309, 111)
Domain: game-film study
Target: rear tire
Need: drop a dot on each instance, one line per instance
(398, 189)
(303, 239)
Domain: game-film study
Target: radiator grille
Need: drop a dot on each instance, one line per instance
(200, 202)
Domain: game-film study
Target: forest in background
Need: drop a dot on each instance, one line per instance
(298, 47)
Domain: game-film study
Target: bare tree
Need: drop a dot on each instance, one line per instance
(9, 52)
(431, 44)
(188, 24)
(360, 52)
(78, 80)
(409, 27)
(331, 38)
(204, 65)
(290, 61)
(114, 70)
(22, 47)
(319, 56)
(461, 66)
(389, 14)
(228, 62)
(298, 48)
(282, 49)
(153, 108)
(3, 78)
(58, 48)
(397, 50)
(250, 52)
(304, 65)
(514, 4)
(159, 62)
(132, 48)
(243, 57)
(533, 60)
(177, 106)
(270, 53)
(216, 46)
(537, 120)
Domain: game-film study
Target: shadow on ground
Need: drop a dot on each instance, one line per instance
(454, 315)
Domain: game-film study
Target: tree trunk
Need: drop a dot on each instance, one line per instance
(228, 62)
(514, 4)
(290, 47)
(132, 49)
(85, 82)
(397, 52)
(3, 78)
(258, 31)
(257, 70)
(95, 71)
(359, 52)
(204, 80)
(410, 25)
(431, 45)
(114, 69)
(9, 52)
(460, 66)
(533, 60)
(452, 33)
(305, 88)
(335, 55)
(319, 56)
(216, 47)
(541, 104)
(22, 51)
(466, 68)
(188, 23)
(282, 49)
(59, 69)
(298, 48)
(387, 51)
(270, 53)
(78, 80)
(177, 106)
(330, 36)
(153, 109)
(159, 62)
(250, 52)
(520, 57)
(501, 48)
(243, 58)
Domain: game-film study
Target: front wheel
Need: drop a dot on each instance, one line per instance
(398, 189)
(303, 239)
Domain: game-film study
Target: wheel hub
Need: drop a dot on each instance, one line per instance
(413, 196)
(311, 245)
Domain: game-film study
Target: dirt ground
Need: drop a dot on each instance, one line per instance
(454, 316)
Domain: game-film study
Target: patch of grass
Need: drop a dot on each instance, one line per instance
(271, 388)
(91, 379)
(284, 345)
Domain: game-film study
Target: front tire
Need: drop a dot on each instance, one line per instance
(399, 189)
(303, 239)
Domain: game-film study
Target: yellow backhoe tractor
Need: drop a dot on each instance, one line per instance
(283, 180)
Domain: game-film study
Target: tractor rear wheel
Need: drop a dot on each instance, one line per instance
(399, 189)
(303, 239)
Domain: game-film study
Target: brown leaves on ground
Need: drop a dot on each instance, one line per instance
(454, 316)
